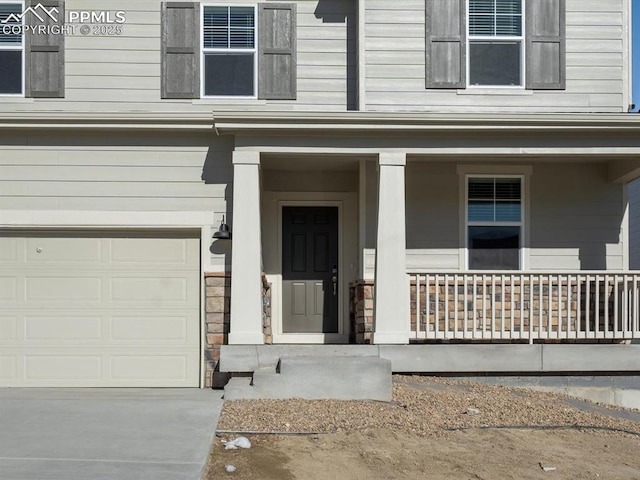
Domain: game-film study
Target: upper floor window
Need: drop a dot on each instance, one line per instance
(11, 49)
(495, 42)
(499, 43)
(494, 222)
(229, 51)
(234, 51)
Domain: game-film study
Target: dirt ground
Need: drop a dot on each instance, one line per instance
(411, 438)
(472, 454)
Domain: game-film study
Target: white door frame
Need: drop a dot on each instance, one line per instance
(347, 270)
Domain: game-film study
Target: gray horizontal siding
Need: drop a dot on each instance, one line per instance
(395, 73)
(575, 219)
(124, 173)
(119, 73)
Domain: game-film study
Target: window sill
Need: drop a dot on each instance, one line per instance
(517, 91)
(228, 101)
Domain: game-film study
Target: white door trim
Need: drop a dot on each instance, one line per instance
(345, 202)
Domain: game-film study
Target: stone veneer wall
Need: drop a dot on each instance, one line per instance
(361, 294)
(218, 317)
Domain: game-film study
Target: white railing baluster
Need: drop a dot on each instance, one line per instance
(427, 303)
(437, 306)
(475, 306)
(531, 319)
(549, 306)
(502, 301)
(417, 306)
(597, 326)
(456, 329)
(569, 299)
(605, 305)
(446, 306)
(492, 299)
(587, 318)
(465, 299)
(636, 307)
(615, 306)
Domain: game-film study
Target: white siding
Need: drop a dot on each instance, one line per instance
(116, 73)
(395, 57)
(111, 172)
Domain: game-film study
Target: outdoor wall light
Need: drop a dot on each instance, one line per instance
(223, 232)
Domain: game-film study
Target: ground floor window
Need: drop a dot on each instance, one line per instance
(494, 222)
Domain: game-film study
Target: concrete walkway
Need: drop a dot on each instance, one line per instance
(137, 434)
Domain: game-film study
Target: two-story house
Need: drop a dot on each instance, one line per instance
(445, 180)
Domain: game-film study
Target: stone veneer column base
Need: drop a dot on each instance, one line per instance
(361, 295)
(218, 318)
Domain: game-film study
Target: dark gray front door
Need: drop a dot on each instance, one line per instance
(310, 269)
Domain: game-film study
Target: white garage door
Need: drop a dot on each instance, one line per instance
(92, 309)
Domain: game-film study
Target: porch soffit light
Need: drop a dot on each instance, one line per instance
(223, 232)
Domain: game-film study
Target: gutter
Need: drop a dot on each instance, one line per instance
(234, 122)
(184, 121)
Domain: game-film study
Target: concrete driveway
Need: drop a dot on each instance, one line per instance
(122, 434)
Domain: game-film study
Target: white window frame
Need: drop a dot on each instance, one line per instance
(521, 223)
(16, 47)
(254, 51)
(498, 38)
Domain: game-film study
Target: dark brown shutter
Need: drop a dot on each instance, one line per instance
(446, 36)
(545, 47)
(44, 51)
(277, 51)
(180, 52)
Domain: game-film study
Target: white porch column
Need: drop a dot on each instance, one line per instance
(246, 270)
(391, 308)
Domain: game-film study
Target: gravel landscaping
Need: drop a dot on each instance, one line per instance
(424, 406)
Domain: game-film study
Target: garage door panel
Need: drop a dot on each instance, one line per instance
(170, 251)
(63, 328)
(63, 289)
(8, 328)
(159, 367)
(99, 311)
(57, 367)
(8, 289)
(152, 329)
(8, 368)
(8, 250)
(150, 289)
(63, 250)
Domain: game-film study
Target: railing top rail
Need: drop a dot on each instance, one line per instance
(520, 272)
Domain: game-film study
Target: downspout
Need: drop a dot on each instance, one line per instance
(361, 51)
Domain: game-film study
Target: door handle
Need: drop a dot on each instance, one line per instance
(334, 279)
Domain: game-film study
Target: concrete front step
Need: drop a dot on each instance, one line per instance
(317, 377)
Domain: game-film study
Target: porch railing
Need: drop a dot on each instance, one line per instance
(525, 306)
